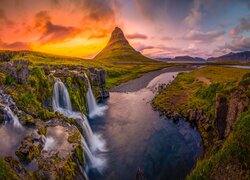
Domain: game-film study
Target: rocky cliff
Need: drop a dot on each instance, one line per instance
(26, 102)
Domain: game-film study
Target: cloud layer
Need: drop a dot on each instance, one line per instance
(156, 28)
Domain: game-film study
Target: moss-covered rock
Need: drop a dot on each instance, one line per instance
(30, 148)
(5, 171)
(74, 138)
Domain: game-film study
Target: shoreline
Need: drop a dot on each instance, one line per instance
(142, 82)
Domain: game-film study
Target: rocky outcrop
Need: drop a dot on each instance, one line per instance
(98, 77)
(199, 116)
(31, 147)
(18, 70)
(237, 104)
(228, 111)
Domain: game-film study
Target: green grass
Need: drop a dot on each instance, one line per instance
(233, 156)
(188, 92)
(119, 70)
(198, 90)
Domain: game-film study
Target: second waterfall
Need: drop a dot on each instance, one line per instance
(94, 109)
(62, 104)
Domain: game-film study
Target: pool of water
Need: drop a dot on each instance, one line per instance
(138, 137)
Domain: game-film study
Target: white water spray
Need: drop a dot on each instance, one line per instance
(94, 109)
(9, 114)
(61, 99)
(62, 104)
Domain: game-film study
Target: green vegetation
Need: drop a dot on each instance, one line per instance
(5, 171)
(233, 159)
(199, 90)
(80, 154)
(117, 72)
(74, 138)
(69, 169)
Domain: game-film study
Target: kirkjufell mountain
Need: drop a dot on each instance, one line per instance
(118, 49)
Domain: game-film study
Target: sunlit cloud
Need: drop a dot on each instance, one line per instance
(155, 28)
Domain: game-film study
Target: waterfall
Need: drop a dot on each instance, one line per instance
(94, 109)
(61, 99)
(93, 161)
(9, 115)
(62, 104)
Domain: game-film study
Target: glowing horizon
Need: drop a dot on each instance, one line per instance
(164, 28)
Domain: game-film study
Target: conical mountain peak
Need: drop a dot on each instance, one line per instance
(117, 36)
(118, 49)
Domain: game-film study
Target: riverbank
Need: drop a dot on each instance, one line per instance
(142, 82)
(213, 98)
(139, 137)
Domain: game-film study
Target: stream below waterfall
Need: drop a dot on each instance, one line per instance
(138, 137)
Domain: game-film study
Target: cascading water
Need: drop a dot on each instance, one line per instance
(62, 104)
(61, 99)
(9, 115)
(94, 109)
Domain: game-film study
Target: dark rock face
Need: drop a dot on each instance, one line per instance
(236, 106)
(198, 116)
(228, 111)
(221, 115)
(99, 79)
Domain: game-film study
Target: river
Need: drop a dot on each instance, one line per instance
(138, 137)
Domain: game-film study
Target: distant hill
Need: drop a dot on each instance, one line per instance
(44, 58)
(119, 50)
(241, 57)
(183, 59)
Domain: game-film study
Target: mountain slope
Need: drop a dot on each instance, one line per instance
(118, 49)
(241, 57)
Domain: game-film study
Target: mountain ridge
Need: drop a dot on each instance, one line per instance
(240, 57)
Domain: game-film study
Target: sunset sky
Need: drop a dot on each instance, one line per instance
(156, 28)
